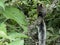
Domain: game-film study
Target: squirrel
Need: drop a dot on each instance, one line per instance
(42, 27)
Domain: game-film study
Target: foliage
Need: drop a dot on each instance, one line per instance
(13, 23)
(17, 19)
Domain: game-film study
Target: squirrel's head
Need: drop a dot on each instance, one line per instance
(41, 10)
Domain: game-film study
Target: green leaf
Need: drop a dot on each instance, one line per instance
(14, 35)
(2, 4)
(51, 30)
(3, 34)
(21, 42)
(1, 43)
(17, 42)
(48, 35)
(18, 16)
(25, 2)
(3, 27)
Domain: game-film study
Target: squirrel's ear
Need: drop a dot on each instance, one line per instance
(40, 5)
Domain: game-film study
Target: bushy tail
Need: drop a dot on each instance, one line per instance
(42, 33)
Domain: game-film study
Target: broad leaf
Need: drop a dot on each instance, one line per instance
(3, 34)
(2, 4)
(3, 31)
(3, 27)
(14, 35)
(18, 16)
(17, 42)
